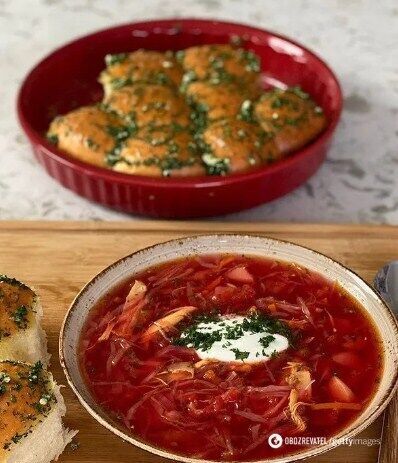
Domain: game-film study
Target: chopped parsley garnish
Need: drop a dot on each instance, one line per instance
(107, 108)
(120, 135)
(17, 386)
(113, 156)
(170, 160)
(161, 78)
(52, 138)
(198, 116)
(201, 337)
(236, 40)
(120, 82)
(240, 355)
(193, 147)
(170, 163)
(214, 165)
(44, 404)
(266, 340)
(299, 92)
(4, 380)
(258, 323)
(12, 281)
(35, 373)
(180, 55)
(92, 144)
(191, 336)
(220, 75)
(17, 438)
(199, 119)
(115, 59)
(292, 121)
(154, 105)
(187, 78)
(279, 101)
(247, 111)
(251, 60)
(173, 148)
(217, 62)
(20, 317)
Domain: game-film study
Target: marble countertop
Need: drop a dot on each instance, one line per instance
(358, 182)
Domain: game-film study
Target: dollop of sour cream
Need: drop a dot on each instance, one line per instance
(248, 347)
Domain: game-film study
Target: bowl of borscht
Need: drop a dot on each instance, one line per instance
(230, 348)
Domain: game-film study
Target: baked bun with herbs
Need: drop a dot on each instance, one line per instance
(31, 406)
(291, 117)
(222, 64)
(220, 102)
(86, 133)
(21, 336)
(148, 66)
(149, 104)
(160, 151)
(210, 92)
(237, 146)
(31, 410)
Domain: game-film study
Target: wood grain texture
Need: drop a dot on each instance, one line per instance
(57, 258)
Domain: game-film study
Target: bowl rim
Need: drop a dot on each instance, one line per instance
(290, 458)
(176, 182)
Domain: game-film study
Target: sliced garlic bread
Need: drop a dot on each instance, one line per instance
(31, 410)
(21, 336)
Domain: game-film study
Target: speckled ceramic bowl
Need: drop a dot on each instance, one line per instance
(251, 245)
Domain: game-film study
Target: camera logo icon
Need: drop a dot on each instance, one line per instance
(275, 441)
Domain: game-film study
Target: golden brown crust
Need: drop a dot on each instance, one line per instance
(26, 395)
(240, 145)
(156, 104)
(84, 134)
(221, 64)
(145, 104)
(142, 66)
(291, 116)
(219, 101)
(16, 307)
(160, 152)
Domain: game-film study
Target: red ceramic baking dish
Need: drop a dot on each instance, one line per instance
(67, 79)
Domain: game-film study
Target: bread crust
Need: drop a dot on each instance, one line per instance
(21, 335)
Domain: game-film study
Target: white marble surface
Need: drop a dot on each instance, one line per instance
(359, 38)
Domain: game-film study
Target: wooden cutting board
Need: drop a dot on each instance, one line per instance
(57, 258)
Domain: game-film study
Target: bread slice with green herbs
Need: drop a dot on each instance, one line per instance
(31, 410)
(21, 335)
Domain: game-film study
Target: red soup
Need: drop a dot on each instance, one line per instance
(208, 356)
